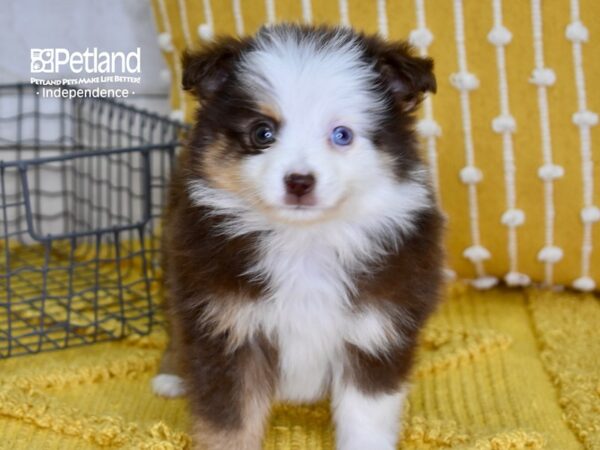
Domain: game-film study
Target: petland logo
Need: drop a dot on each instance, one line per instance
(83, 70)
(91, 61)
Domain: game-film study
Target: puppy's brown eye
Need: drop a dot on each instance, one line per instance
(262, 135)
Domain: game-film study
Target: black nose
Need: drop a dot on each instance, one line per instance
(299, 184)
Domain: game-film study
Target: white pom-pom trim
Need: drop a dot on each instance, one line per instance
(513, 217)
(517, 279)
(590, 214)
(549, 172)
(585, 284)
(577, 32)
(484, 283)
(465, 81)
(165, 43)
(449, 275)
(177, 115)
(470, 175)
(550, 254)
(585, 118)
(165, 75)
(504, 124)
(428, 128)
(205, 32)
(500, 35)
(543, 77)
(421, 37)
(476, 253)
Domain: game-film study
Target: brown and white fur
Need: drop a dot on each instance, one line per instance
(292, 291)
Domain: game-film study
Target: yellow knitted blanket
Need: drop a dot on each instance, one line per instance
(496, 370)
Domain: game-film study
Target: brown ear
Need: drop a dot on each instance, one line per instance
(407, 76)
(206, 70)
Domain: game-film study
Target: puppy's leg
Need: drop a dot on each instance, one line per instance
(369, 395)
(245, 435)
(167, 383)
(230, 394)
(367, 420)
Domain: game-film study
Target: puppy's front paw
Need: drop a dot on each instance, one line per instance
(168, 385)
(367, 421)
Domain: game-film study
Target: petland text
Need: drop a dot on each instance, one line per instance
(91, 61)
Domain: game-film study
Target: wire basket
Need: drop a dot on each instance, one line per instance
(82, 185)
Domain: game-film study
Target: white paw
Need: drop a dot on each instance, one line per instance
(365, 421)
(167, 385)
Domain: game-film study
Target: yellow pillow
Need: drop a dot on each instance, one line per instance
(509, 135)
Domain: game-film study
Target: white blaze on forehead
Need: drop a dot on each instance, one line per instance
(311, 80)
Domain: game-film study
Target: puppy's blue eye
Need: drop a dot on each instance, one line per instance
(342, 136)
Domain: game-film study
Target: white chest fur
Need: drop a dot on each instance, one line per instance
(308, 313)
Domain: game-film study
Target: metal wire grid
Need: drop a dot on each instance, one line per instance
(82, 185)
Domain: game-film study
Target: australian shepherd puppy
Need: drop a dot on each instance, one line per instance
(302, 238)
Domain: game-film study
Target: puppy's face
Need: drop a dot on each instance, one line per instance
(306, 124)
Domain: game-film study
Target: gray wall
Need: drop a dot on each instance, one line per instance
(111, 25)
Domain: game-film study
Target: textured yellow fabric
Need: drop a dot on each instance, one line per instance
(496, 370)
(576, 375)
(178, 21)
